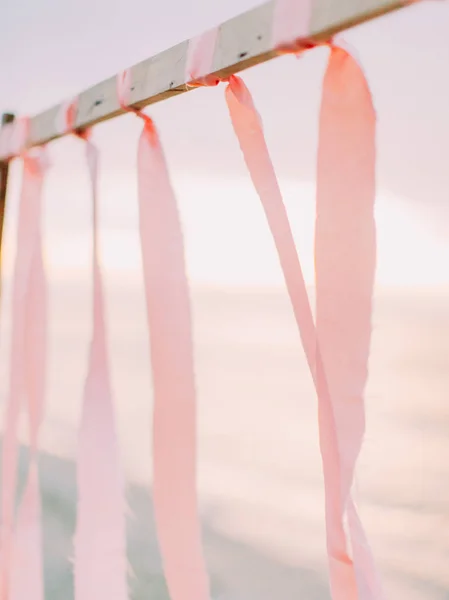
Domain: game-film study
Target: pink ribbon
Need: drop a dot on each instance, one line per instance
(248, 128)
(341, 427)
(28, 537)
(291, 24)
(345, 259)
(21, 546)
(200, 58)
(338, 234)
(174, 412)
(100, 562)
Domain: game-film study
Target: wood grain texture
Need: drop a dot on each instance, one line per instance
(243, 41)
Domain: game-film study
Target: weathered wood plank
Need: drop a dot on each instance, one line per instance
(243, 41)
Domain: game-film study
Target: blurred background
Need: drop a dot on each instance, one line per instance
(260, 480)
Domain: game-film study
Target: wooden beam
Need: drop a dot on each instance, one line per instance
(243, 42)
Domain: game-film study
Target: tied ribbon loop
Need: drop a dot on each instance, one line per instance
(100, 562)
(123, 95)
(66, 119)
(291, 22)
(21, 546)
(170, 331)
(200, 58)
(292, 27)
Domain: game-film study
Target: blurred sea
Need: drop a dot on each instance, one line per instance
(259, 467)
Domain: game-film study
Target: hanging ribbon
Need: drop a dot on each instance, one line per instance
(248, 128)
(100, 565)
(341, 431)
(345, 259)
(21, 546)
(356, 578)
(170, 331)
(341, 423)
(28, 536)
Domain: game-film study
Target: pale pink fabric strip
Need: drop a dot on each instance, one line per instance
(22, 549)
(249, 131)
(248, 128)
(174, 420)
(124, 88)
(291, 22)
(344, 583)
(345, 258)
(66, 116)
(170, 331)
(28, 537)
(200, 55)
(100, 566)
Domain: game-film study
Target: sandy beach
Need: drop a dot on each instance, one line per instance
(259, 472)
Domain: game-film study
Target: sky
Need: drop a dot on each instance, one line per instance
(52, 49)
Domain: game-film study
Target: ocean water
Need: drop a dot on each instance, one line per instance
(259, 472)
